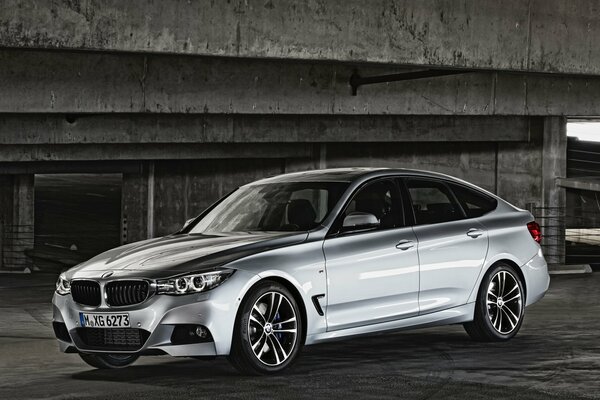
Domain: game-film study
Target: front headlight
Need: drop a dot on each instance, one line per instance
(193, 283)
(63, 285)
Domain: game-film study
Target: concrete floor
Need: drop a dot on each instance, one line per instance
(556, 355)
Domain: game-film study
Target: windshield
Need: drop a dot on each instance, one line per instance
(290, 206)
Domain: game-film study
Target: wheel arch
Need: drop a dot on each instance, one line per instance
(293, 290)
(510, 263)
(501, 258)
(518, 271)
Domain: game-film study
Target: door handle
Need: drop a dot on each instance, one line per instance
(405, 244)
(474, 233)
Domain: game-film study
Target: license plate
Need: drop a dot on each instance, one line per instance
(98, 320)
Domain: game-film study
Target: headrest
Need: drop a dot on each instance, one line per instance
(301, 212)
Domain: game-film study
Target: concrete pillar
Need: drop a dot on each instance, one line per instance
(554, 165)
(150, 203)
(134, 201)
(16, 220)
(6, 207)
(23, 218)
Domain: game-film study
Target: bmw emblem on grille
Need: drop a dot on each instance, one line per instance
(106, 275)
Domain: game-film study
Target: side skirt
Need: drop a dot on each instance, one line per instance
(456, 315)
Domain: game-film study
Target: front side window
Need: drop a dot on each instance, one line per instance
(432, 202)
(380, 199)
(288, 206)
(473, 202)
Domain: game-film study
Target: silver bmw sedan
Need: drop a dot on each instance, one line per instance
(304, 258)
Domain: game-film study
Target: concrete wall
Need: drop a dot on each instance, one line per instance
(185, 188)
(190, 99)
(160, 193)
(510, 170)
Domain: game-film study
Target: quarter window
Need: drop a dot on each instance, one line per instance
(432, 202)
(473, 202)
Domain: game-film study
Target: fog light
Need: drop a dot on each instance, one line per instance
(188, 334)
(201, 332)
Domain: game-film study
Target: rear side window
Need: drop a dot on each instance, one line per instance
(432, 202)
(473, 202)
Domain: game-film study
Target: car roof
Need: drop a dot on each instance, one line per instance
(346, 175)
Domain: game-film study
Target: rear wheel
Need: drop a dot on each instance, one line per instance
(268, 332)
(500, 307)
(107, 361)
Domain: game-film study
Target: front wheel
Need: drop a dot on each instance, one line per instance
(500, 306)
(268, 332)
(108, 361)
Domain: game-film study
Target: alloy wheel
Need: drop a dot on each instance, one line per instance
(272, 328)
(504, 302)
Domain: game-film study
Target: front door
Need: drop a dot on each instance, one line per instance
(373, 275)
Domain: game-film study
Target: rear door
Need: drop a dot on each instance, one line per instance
(452, 247)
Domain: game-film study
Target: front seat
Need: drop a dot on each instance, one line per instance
(301, 213)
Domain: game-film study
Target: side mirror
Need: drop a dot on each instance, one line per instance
(359, 221)
(189, 221)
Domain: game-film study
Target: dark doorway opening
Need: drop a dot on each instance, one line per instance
(76, 217)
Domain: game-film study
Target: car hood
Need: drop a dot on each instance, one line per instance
(177, 254)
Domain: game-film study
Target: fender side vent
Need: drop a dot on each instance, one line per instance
(315, 300)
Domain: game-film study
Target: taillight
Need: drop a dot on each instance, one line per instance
(535, 231)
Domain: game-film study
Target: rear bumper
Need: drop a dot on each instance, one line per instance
(537, 279)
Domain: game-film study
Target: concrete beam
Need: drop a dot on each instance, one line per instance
(26, 129)
(79, 82)
(59, 82)
(26, 153)
(69, 167)
(536, 35)
(591, 184)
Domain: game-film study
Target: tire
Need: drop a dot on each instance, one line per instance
(108, 361)
(500, 306)
(267, 335)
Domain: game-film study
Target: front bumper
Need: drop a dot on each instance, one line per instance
(159, 315)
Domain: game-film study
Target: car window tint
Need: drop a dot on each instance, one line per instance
(473, 202)
(432, 202)
(377, 198)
